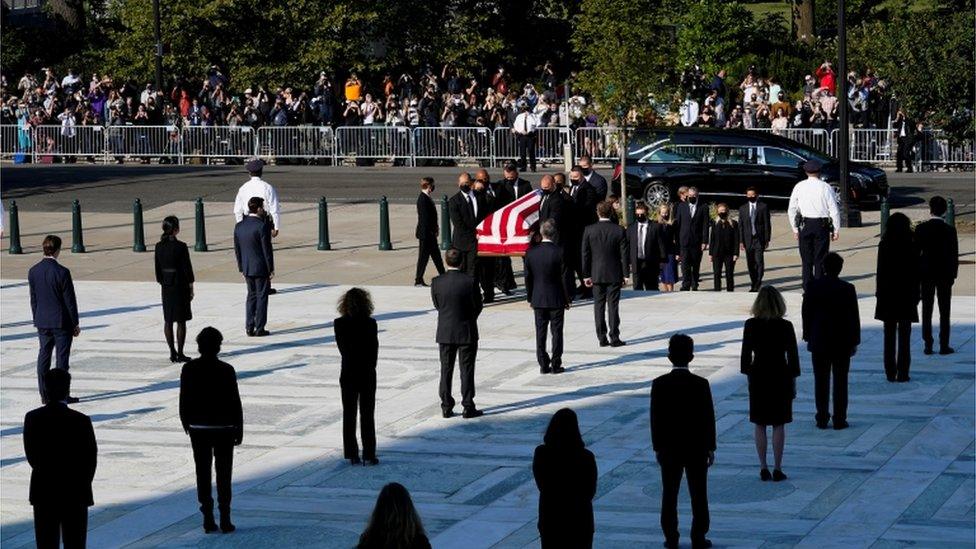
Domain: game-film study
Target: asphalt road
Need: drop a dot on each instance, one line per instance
(112, 188)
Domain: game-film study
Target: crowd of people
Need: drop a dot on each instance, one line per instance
(578, 239)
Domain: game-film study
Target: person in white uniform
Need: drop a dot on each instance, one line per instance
(256, 186)
(815, 219)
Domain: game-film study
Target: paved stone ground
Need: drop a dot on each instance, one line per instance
(903, 474)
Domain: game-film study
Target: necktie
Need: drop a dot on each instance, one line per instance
(752, 217)
(474, 212)
(641, 227)
(525, 123)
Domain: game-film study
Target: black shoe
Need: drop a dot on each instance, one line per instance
(272, 291)
(821, 425)
(903, 379)
(928, 350)
(946, 351)
(617, 343)
(604, 343)
(420, 283)
(182, 358)
(209, 524)
(249, 332)
(703, 543)
(72, 400)
(173, 357)
(261, 333)
(447, 414)
(470, 413)
(840, 425)
(226, 526)
(558, 369)
(671, 543)
(764, 474)
(371, 461)
(355, 461)
(890, 378)
(778, 475)
(545, 370)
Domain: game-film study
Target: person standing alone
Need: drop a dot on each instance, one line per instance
(174, 273)
(357, 338)
(55, 311)
(427, 231)
(255, 260)
(939, 246)
(755, 233)
(545, 286)
(606, 262)
(815, 220)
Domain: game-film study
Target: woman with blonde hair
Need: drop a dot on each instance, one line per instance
(356, 337)
(669, 269)
(770, 359)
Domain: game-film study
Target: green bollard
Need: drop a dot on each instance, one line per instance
(77, 241)
(385, 225)
(951, 213)
(201, 245)
(445, 225)
(885, 214)
(15, 248)
(138, 231)
(629, 214)
(324, 225)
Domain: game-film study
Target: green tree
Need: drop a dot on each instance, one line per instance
(714, 34)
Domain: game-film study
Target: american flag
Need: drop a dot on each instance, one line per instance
(508, 230)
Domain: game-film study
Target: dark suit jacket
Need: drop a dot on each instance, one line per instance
(566, 478)
(764, 225)
(52, 296)
(523, 186)
(499, 196)
(554, 207)
(426, 217)
(831, 321)
(252, 246)
(599, 184)
(605, 252)
(724, 239)
(897, 285)
(173, 266)
(585, 202)
(654, 250)
(691, 231)
(209, 395)
(682, 415)
(358, 344)
(464, 235)
(60, 446)
(939, 245)
(545, 275)
(458, 302)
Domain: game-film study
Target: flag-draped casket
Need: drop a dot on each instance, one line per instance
(508, 231)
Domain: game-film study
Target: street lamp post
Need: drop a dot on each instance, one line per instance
(159, 47)
(850, 216)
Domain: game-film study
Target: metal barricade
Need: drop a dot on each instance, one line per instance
(229, 144)
(937, 151)
(67, 143)
(371, 143)
(549, 144)
(818, 138)
(284, 144)
(144, 143)
(877, 146)
(602, 144)
(14, 141)
(454, 144)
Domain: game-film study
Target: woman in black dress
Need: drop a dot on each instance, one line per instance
(898, 294)
(394, 522)
(770, 359)
(356, 336)
(174, 273)
(565, 472)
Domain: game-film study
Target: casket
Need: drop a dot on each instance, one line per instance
(508, 231)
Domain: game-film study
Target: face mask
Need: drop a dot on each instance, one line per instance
(663, 217)
(641, 218)
(693, 200)
(464, 188)
(587, 171)
(723, 215)
(574, 181)
(752, 198)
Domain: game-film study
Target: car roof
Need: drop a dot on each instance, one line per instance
(712, 136)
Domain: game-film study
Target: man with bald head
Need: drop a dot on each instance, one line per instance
(464, 209)
(552, 206)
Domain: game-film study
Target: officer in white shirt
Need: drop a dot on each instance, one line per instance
(815, 220)
(524, 128)
(261, 188)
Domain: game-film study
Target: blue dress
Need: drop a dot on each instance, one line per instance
(669, 271)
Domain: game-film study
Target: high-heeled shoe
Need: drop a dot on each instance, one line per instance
(174, 357)
(180, 357)
(779, 476)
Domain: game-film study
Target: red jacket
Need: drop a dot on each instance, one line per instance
(827, 78)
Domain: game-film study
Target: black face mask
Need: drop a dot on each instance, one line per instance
(642, 218)
(723, 215)
(574, 181)
(464, 188)
(663, 217)
(693, 200)
(587, 171)
(752, 198)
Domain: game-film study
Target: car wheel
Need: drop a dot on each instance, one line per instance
(657, 193)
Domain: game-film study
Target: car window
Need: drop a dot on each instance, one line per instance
(676, 153)
(731, 155)
(781, 158)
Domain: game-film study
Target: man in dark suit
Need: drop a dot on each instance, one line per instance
(492, 201)
(755, 233)
(691, 223)
(255, 260)
(517, 187)
(832, 330)
(458, 303)
(905, 130)
(465, 209)
(427, 231)
(597, 181)
(647, 250)
(939, 267)
(545, 275)
(583, 199)
(606, 265)
(212, 414)
(552, 206)
(55, 310)
(60, 447)
(498, 196)
(683, 437)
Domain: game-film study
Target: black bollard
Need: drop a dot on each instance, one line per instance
(77, 241)
(201, 245)
(885, 213)
(951, 213)
(15, 247)
(138, 231)
(385, 244)
(324, 225)
(445, 225)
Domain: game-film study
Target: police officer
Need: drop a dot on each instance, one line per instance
(815, 220)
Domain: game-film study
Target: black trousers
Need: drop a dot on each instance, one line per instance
(428, 249)
(756, 263)
(486, 278)
(826, 364)
(54, 524)
(256, 306)
(647, 275)
(690, 267)
(50, 341)
(727, 263)
(931, 290)
(466, 355)
(504, 275)
(560, 538)
(814, 243)
(213, 448)
(897, 355)
(547, 320)
(905, 146)
(696, 471)
(606, 303)
(361, 392)
(469, 262)
(526, 147)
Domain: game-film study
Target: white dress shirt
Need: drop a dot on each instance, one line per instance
(525, 123)
(641, 237)
(752, 217)
(813, 198)
(257, 187)
(474, 203)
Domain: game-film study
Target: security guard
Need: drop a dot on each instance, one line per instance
(815, 220)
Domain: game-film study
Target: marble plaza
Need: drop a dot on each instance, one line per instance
(903, 474)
